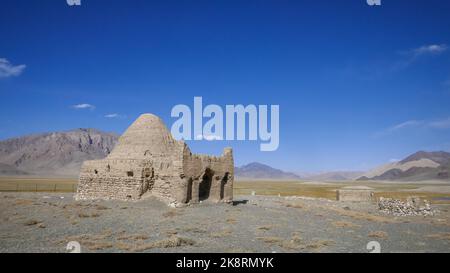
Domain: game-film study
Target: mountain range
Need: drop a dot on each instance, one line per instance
(62, 153)
(54, 154)
(416, 167)
(257, 170)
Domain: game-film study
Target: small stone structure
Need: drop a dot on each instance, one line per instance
(355, 194)
(148, 161)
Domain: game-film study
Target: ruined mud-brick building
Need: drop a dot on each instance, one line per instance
(148, 161)
(355, 194)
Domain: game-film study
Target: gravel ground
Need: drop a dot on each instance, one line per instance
(44, 222)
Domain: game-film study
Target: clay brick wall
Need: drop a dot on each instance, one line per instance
(148, 161)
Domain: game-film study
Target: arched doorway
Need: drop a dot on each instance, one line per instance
(147, 180)
(204, 187)
(189, 191)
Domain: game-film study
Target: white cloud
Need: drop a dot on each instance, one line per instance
(411, 124)
(429, 49)
(406, 124)
(412, 55)
(9, 70)
(84, 106)
(114, 115)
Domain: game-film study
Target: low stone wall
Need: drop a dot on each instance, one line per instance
(354, 195)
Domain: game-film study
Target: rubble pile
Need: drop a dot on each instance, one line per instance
(413, 206)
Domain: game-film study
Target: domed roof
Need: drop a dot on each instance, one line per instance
(147, 136)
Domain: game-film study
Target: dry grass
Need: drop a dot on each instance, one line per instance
(328, 190)
(284, 188)
(170, 242)
(357, 215)
(378, 234)
(231, 220)
(345, 224)
(270, 240)
(75, 205)
(91, 242)
(33, 184)
(23, 202)
(32, 222)
(171, 232)
(170, 214)
(124, 246)
(440, 236)
(97, 245)
(133, 237)
(222, 233)
(136, 242)
(297, 205)
(88, 215)
(265, 228)
(316, 245)
(294, 243)
(100, 207)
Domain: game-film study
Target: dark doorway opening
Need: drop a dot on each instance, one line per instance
(205, 185)
(147, 180)
(189, 191)
(222, 185)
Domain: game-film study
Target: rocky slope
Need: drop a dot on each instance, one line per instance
(416, 167)
(54, 154)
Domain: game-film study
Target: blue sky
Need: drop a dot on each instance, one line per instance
(357, 85)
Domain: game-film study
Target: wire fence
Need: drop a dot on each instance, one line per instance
(37, 187)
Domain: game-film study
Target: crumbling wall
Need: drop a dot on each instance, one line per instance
(114, 179)
(147, 160)
(216, 172)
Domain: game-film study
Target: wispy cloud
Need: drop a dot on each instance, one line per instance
(416, 124)
(83, 106)
(429, 50)
(398, 127)
(440, 124)
(402, 59)
(412, 55)
(9, 70)
(404, 125)
(114, 115)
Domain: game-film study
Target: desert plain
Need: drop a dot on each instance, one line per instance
(41, 215)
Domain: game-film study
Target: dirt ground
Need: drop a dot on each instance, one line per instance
(47, 222)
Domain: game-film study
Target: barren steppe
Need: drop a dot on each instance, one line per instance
(47, 222)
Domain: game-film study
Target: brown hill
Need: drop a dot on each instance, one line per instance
(419, 166)
(54, 154)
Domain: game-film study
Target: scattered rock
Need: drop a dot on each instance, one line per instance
(414, 206)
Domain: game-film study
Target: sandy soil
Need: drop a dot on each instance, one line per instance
(42, 222)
